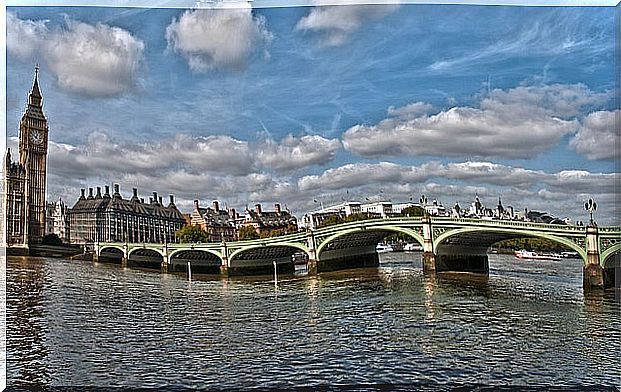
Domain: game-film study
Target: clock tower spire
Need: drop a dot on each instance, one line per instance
(33, 138)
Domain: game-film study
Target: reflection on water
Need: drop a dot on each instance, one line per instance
(79, 323)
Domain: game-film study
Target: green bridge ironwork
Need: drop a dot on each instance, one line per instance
(445, 242)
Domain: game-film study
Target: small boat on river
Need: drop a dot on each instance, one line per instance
(383, 248)
(528, 255)
(412, 248)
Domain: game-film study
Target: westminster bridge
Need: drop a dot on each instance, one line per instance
(449, 244)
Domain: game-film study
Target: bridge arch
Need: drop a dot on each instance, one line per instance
(609, 254)
(259, 259)
(301, 247)
(112, 249)
(507, 233)
(114, 254)
(361, 229)
(201, 261)
(177, 252)
(145, 257)
(144, 251)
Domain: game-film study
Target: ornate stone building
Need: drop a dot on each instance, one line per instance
(218, 223)
(57, 220)
(265, 222)
(110, 218)
(24, 181)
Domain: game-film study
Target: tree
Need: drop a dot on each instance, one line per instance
(190, 233)
(358, 217)
(248, 233)
(413, 211)
(331, 220)
(52, 239)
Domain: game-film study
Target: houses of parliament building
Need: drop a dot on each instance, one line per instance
(91, 219)
(23, 199)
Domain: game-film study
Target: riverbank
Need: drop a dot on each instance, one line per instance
(45, 250)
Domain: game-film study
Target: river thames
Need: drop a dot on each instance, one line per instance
(92, 324)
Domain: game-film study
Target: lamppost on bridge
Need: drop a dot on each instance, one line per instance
(591, 207)
(592, 273)
(423, 202)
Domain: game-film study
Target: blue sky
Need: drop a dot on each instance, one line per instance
(293, 104)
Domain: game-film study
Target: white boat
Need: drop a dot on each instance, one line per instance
(383, 248)
(412, 247)
(528, 255)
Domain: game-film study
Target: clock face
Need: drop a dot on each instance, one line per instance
(36, 136)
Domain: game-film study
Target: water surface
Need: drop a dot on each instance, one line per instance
(83, 323)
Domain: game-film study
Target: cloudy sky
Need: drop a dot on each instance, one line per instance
(293, 105)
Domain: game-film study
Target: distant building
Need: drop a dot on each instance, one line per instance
(110, 218)
(435, 208)
(381, 209)
(219, 224)
(266, 221)
(57, 220)
(316, 218)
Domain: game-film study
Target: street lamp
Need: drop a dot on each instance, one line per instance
(591, 207)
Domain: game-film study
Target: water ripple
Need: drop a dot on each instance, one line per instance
(73, 323)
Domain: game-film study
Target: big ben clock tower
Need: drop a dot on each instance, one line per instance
(33, 137)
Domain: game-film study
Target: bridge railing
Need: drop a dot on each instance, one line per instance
(511, 223)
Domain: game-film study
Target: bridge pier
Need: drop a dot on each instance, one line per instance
(429, 257)
(165, 259)
(462, 259)
(592, 271)
(311, 264)
(224, 265)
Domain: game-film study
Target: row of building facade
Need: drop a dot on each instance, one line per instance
(387, 209)
(108, 217)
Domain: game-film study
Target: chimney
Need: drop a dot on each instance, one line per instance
(107, 194)
(98, 196)
(233, 213)
(277, 208)
(116, 191)
(135, 191)
(216, 205)
(155, 196)
(150, 200)
(90, 193)
(257, 208)
(82, 194)
(196, 205)
(160, 199)
(172, 199)
(142, 200)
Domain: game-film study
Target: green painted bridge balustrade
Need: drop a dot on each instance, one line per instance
(449, 244)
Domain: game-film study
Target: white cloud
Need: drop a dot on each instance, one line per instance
(220, 167)
(105, 158)
(361, 174)
(24, 37)
(96, 60)
(598, 136)
(297, 152)
(560, 100)
(517, 123)
(410, 110)
(352, 175)
(217, 39)
(336, 23)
